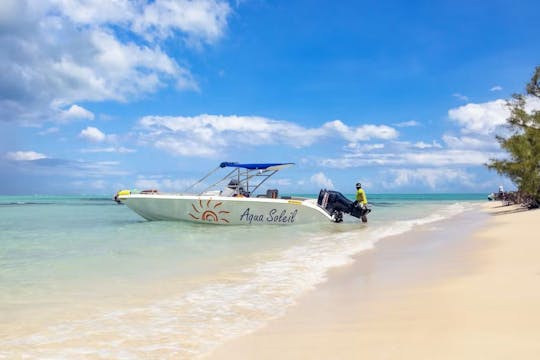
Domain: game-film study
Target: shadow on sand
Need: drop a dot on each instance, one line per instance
(510, 209)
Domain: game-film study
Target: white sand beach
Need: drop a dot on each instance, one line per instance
(448, 291)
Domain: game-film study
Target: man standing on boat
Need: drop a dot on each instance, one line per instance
(361, 200)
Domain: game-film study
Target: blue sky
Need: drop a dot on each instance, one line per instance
(99, 95)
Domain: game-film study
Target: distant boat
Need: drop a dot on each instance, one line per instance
(235, 201)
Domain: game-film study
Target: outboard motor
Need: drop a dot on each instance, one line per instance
(336, 204)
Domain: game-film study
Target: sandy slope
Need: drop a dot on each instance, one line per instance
(479, 299)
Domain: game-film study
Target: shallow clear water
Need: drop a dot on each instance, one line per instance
(83, 277)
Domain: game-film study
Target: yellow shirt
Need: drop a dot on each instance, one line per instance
(361, 196)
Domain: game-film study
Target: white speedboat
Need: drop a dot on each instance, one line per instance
(237, 202)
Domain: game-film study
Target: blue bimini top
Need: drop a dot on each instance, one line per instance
(267, 166)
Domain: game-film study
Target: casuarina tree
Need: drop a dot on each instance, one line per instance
(522, 165)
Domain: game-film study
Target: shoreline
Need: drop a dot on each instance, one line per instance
(440, 291)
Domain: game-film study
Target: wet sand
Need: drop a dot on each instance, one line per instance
(467, 288)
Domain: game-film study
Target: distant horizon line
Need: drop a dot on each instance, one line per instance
(296, 193)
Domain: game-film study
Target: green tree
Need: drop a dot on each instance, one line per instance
(522, 165)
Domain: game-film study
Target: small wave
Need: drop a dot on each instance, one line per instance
(21, 203)
(383, 203)
(83, 202)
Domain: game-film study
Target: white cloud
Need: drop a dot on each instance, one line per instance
(209, 135)
(114, 70)
(37, 164)
(24, 156)
(481, 118)
(186, 81)
(453, 151)
(202, 20)
(469, 142)
(95, 135)
(321, 180)
(76, 112)
(532, 104)
(496, 88)
(96, 12)
(485, 118)
(424, 145)
(361, 133)
(48, 131)
(112, 149)
(64, 51)
(435, 179)
(410, 123)
(278, 183)
(92, 134)
(460, 96)
(444, 157)
(94, 169)
(187, 147)
(163, 184)
(147, 184)
(361, 148)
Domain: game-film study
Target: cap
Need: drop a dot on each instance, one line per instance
(358, 185)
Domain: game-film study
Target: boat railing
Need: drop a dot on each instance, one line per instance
(247, 182)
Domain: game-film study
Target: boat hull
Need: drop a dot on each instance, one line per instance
(225, 210)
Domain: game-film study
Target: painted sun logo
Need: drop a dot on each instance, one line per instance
(209, 212)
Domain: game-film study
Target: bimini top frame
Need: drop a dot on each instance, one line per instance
(249, 177)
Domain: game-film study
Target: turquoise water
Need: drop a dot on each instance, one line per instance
(84, 277)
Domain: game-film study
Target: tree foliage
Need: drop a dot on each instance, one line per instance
(523, 144)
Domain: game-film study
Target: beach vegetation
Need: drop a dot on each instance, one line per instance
(522, 144)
